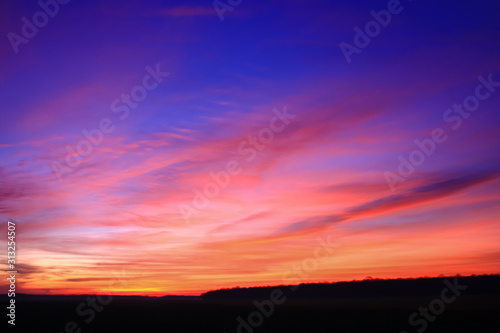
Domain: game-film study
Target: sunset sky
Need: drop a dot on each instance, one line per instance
(305, 145)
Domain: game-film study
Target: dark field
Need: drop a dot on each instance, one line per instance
(469, 314)
(473, 311)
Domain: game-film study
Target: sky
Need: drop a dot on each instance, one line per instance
(171, 147)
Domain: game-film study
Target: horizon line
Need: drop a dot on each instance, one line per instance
(368, 278)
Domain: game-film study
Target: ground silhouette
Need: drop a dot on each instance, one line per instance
(358, 306)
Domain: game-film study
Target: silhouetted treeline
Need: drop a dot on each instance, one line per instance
(476, 285)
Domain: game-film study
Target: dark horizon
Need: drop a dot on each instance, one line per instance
(440, 277)
(443, 304)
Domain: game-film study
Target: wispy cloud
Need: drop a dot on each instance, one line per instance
(432, 191)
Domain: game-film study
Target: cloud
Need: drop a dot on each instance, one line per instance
(234, 225)
(87, 279)
(432, 191)
(425, 193)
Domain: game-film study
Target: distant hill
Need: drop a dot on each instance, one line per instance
(342, 307)
(373, 288)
